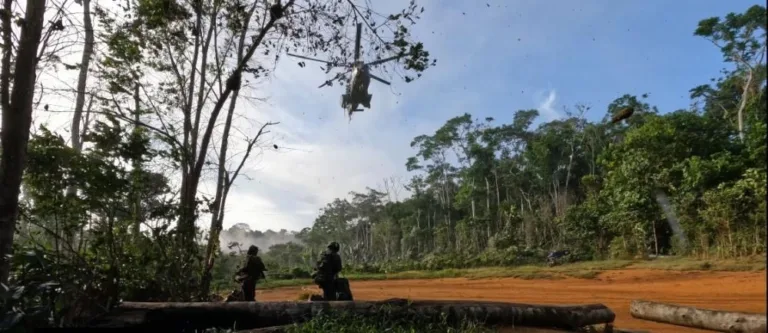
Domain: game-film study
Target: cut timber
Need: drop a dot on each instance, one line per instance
(249, 315)
(521, 329)
(516, 329)
(712, 320)
(273, 329)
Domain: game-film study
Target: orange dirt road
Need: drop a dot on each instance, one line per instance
(727, 291)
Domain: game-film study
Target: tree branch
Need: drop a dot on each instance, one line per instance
(5, 80)
(251, 143)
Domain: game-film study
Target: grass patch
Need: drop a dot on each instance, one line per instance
(745, 264)
(274, 283)
(584, 270)
(580, 270)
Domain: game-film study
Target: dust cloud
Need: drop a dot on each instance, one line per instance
(245, 236)
(672, 219)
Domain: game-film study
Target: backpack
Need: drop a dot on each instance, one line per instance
(343, 292)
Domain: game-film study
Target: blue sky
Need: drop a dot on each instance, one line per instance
(494, 58)
(584, 51)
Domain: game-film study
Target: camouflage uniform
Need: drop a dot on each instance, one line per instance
(252, 271)
(327, 269)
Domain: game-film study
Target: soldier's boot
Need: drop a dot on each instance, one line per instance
(367, 102)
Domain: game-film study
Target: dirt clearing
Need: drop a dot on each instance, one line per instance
(729, 291)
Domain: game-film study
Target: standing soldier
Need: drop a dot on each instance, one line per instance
(252, 271)
(327, 270)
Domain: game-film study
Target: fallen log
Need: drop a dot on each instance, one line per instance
(271, 329)
(250, 315)
(712, 320)
(516, 329)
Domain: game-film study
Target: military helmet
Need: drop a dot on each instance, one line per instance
(333, 246)
(253, 249)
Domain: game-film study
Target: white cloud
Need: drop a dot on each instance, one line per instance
(322, 156)
(548, 107)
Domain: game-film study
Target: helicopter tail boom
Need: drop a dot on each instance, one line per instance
(308, 58)
(378, 79)
(381, 61)
(357, 41)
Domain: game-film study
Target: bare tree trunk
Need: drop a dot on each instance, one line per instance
(216, 222)
(136, 167)
(655, 238)
(712, 320)
(82, 80)
(195, 164)
(488, 208)
(498, 199)
(16, 119)
(743, 103)
(217, 212)
(76, 131)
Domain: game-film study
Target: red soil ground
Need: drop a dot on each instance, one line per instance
(728, 291)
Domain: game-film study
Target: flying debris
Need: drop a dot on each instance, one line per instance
(274, 146)
(357, 88)
(623, 114)
(57, 25)
(276, 10)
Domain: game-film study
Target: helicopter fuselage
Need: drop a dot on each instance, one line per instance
(360, 80)
(357, 90)
(356, 93)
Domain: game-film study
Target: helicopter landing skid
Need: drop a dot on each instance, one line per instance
(367, 102)
(350, 112)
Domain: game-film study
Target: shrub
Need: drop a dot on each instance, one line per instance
(386, 322)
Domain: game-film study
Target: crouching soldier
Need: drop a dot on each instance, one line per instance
(556, 256)
(327, 270)
(252, 271)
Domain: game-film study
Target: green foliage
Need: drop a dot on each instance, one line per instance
(740, 36)
(106, 223)
(386, 321)
(31, 296)
(504, 194)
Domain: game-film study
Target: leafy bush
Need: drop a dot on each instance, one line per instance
(30, 297)
(300, 273)
(386, 322)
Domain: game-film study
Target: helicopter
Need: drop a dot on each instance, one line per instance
(357, 88)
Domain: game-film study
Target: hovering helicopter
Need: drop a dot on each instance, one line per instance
(357, 88)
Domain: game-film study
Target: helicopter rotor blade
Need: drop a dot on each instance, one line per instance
(357, 41)
(312, 59)
(326, 83)
(378, 79)
(381, 61)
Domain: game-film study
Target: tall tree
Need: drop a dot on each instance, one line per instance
(740, 37)
(16, 96)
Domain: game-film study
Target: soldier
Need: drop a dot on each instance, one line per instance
(252, 271)
(327, 270)
(553, 257)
